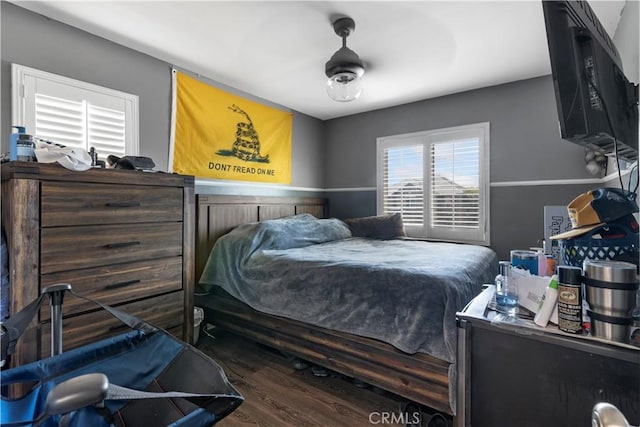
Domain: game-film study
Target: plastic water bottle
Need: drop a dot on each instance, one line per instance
(13, 141)
(506, 290)
(25, 148)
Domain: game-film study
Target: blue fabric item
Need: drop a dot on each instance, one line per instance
(145, 359)
(403, 292)
(197, 418)
(285, 233)
(613, 203)
(22, 409)
(129, 360)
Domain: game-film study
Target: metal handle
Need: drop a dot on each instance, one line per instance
(122, 204)
(121, 244)
(56, 298)
(607, 415)
(122, 284)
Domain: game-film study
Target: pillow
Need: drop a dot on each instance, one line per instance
(377, 227)
(298, 231)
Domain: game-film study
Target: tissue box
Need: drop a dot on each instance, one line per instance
(530, 291)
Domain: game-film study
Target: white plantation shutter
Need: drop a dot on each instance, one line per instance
(454, 189)
(454, 184)
(439, 181)
(74, 113)
(60, 120)
(106, 130)
(402, 183)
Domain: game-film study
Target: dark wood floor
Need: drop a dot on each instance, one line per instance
(278, 395)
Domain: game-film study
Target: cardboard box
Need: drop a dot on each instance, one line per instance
(556, 221)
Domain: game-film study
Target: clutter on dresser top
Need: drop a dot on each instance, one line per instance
(28, 148)
(594, 289)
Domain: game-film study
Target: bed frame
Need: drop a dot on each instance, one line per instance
(418, 377)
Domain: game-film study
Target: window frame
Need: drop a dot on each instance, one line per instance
(23, 109)
(481, 131)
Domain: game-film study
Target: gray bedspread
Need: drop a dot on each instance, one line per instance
(403, 292)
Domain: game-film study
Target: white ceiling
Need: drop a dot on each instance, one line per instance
(276, 50)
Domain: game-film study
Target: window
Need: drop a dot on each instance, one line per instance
(74, 113)
(439, 181)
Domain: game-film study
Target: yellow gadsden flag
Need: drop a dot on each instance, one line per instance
(224, 136)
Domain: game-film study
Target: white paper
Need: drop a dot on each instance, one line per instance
(530, 291)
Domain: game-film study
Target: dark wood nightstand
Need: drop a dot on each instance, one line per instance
(524, 375)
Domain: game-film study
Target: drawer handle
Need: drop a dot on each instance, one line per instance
(122, 284)
(121, 244)
(123, 204)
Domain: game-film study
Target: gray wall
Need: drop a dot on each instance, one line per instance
(337, 155)
(525, 141)
(35, 41)
(525, 146)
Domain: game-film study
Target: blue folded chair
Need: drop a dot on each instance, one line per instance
(145, 377)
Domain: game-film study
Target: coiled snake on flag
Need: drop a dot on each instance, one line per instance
(247, 144)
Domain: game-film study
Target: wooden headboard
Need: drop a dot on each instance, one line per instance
(217, 215)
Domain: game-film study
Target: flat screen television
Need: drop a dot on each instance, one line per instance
(597, 105)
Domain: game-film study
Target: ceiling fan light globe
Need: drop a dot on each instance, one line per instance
(344, 87)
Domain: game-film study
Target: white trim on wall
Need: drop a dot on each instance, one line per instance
(343, 190)
(583, 181)
(547, 182)
(226, 183)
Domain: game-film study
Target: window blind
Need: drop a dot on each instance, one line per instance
(454, 184)
(403, 183)
(60, 120)
(106, 130)
(439, 181)
(75, 113)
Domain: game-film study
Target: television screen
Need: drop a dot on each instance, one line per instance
(597, 105)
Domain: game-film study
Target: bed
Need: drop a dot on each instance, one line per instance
(310, 287)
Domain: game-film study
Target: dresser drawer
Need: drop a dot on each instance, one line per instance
(165, 311)
(74, 203)
(68, 248)
(115, 284)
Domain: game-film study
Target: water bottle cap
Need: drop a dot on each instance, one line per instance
(504, 267)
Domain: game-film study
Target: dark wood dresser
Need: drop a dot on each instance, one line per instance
(124, 238)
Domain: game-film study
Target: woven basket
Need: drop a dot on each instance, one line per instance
(575, 251)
